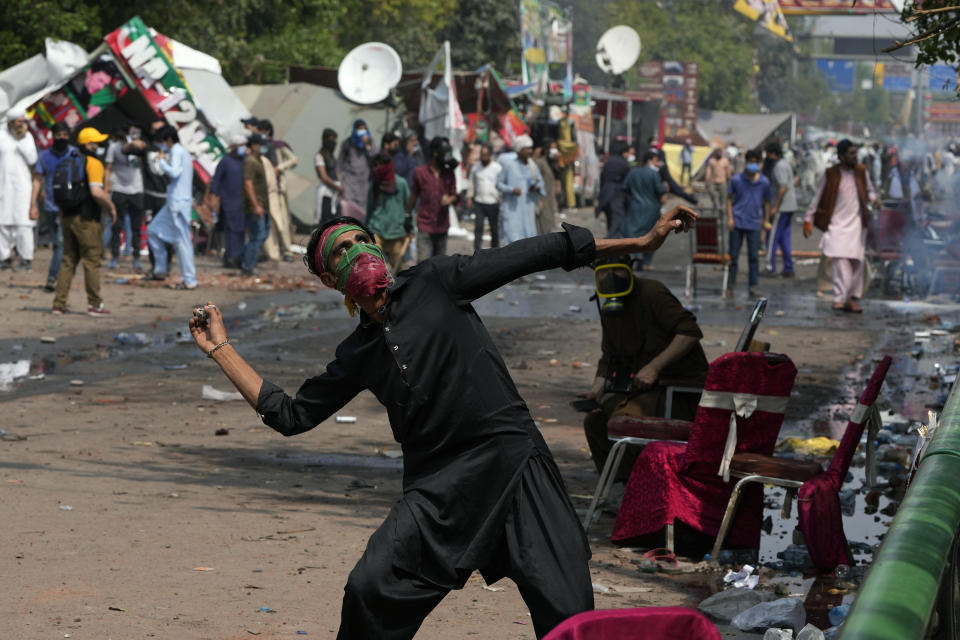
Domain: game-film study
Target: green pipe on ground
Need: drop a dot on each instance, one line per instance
(898, 596)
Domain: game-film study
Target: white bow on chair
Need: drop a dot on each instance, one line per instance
(743, 405)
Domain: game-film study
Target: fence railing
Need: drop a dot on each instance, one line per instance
(899, 595)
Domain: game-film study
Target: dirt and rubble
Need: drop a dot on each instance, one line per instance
(132, 506)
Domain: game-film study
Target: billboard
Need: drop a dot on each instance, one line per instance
(546, 38)
(943, 78)
(803, 7)
(677, 85)
(841, 75)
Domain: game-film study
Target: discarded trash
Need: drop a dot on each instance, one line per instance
(204, 569)
(346, 419)
(174, 367)
(76, 383)
(267, 610)
(184, 335)
(818, 446)
(301, 633)
(241, 306)
(489, 588)
(554, 362)
(810, 632)
(778, 634)
(724, 606)
(743, 579)
(121, 281)
(599, 588)
(66, 507)
(209, 393)
(779, 313)
(500, 296)
(116, 608)
(48, 339)
(574, 308)
(539, 276)
(221, 432)
(785, 613)
(392, 454)
(138, 339)
(839, 613)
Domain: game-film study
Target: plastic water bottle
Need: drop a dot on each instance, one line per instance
(139, 339)
(839, 613)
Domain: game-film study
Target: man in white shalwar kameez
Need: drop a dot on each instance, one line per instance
(18, 190)
(840, 209)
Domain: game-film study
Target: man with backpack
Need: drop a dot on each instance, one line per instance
(78, 191)
(45, 170)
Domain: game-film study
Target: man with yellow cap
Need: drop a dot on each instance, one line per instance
(82, 229)
(481, 490)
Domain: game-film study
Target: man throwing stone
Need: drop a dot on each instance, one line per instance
(480, 488)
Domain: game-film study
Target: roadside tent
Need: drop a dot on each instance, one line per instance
(300, 112)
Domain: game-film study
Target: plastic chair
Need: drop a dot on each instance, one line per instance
(648, 623)
(818, 488)
(708, 245)
(741, 410)
(628, 430)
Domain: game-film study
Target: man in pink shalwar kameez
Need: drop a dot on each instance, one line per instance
(841, 209)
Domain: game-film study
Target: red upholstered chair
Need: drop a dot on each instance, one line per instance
(819, 510)
(741, 410)
(649, 623)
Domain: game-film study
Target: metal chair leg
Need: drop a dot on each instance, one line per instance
(728, 518)
(873, 428)
(605, 481)
(788, 503)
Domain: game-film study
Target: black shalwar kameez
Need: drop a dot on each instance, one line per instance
(480, 488)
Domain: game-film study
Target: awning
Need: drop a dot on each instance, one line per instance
(746, 129)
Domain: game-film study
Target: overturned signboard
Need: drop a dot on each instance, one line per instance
(148, 59)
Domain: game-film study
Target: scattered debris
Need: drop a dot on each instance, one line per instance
(76, 383)
(204, 569)
(209, 393)
(346, 419)
(48, 339)
(724, 606)
(222, 432)
(66, 507)
(785, 613)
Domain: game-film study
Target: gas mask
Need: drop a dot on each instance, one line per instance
(614, 283)
(446, 159)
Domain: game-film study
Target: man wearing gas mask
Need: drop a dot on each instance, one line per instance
(649, 342)
(433, 190)
(480, 488)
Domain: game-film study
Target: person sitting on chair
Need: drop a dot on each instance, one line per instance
(649, 342)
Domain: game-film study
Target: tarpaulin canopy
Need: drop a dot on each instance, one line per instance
(746, 129)
(300, 112)
(26, 82)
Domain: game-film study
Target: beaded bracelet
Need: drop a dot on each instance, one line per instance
(219, 346)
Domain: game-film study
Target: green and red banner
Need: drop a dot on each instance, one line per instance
(149, 61)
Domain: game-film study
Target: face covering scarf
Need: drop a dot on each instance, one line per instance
(361, 272)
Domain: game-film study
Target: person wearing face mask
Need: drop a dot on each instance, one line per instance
(46, 167)
(433, 190)
(353, 165)
(481, 490)
(545, 156)
(649, 342)
(329, 187)
(171, 225)
(646, 193)
(748, 205)
(124, 162)
(82, 228)
(226, 188)
(408, 156)
(612, 200)
(18, 190)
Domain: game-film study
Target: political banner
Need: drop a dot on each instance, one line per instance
(767, 14)
(149, 61)
(546, 39)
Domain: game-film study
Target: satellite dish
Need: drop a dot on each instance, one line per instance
(618, 49)
(369, 72)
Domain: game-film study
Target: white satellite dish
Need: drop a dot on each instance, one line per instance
(618, 49)
(369, 72)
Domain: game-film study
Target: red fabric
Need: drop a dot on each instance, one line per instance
(818, 503)
(654, 623)
(384, 178)
(368, 275)
(678, 481)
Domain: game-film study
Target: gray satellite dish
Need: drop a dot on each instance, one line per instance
(368, 73)
(618, 49)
